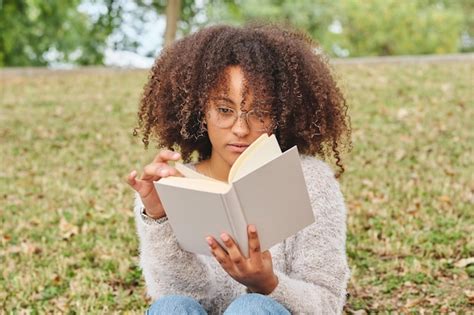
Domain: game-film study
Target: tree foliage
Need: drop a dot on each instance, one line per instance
(357, 28)
(189, 13)
(32, 30)
(388, 27)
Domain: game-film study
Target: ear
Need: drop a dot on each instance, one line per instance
(204, 124)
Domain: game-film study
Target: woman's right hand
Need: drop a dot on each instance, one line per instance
(152, 172)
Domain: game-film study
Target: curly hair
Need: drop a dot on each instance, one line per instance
(282, 67)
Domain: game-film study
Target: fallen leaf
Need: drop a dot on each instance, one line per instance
(449, 171)
(444, 198)
(67, 229)
(367, 182)
(415, 206)
(406, 139)
(25, 247)
(61, 303)
(446, 87)
(464, 262)
(444, 309)
(355, 205)
(402, 113)
(470, 295)
(413, 302)
(29, 248)
(56, 278)
(399, 154)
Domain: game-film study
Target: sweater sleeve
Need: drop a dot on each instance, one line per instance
(166, 267)
(317, 265)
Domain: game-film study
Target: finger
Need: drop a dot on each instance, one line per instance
(255, 253)
(266, 255)
(167, 170)
(131, 178)
(155, 171)
(219, 253)
(174, 172)
(234, 251)
(166, 155)
(135, 183)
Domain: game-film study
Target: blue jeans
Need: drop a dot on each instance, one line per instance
(253, 303)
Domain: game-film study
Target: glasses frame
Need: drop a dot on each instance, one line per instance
(238, 114)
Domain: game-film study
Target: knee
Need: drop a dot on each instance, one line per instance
(254, 303)
(176, 304)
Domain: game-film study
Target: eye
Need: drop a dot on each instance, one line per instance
(224, 110)
(260, 114)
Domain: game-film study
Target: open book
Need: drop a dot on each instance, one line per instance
(265, 187)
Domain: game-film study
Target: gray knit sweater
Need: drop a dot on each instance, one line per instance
(311, 266)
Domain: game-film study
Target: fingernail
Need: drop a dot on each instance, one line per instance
(209, 241)
(224, 237)
(176, 155)
(164, 172)
(252, 228)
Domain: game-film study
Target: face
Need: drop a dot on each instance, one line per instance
(229, 142)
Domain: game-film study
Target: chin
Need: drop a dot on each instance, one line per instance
(231, 160)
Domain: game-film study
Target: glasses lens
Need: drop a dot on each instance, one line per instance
(225, 117)
(259, 120)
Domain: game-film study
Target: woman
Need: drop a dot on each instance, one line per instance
(213, 93)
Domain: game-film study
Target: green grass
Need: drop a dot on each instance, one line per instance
(68, 241)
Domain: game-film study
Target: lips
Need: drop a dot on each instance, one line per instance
(237, 147)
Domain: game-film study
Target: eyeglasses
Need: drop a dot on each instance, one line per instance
(225, 117)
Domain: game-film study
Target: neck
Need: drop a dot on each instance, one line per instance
(218, 168)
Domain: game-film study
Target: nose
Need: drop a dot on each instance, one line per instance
(240, 127)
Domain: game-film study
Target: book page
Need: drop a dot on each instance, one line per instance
(198, 184)
(264, 152)
(190, 173)
(242, 157)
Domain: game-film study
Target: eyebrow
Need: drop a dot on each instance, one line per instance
(223, 98)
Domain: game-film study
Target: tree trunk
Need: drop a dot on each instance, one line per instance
(173, 10)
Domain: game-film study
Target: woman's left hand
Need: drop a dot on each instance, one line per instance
(255, 272)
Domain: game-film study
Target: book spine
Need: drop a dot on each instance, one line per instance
(237, 220)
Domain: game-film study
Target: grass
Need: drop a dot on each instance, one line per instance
(68, 241)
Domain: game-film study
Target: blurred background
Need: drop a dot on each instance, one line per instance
(71, 78)
(129, 33)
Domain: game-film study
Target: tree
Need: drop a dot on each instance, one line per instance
(358, 28)
(184, 14)
(173, 10)
(388, 27)
(315, 17)
(34, 31)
